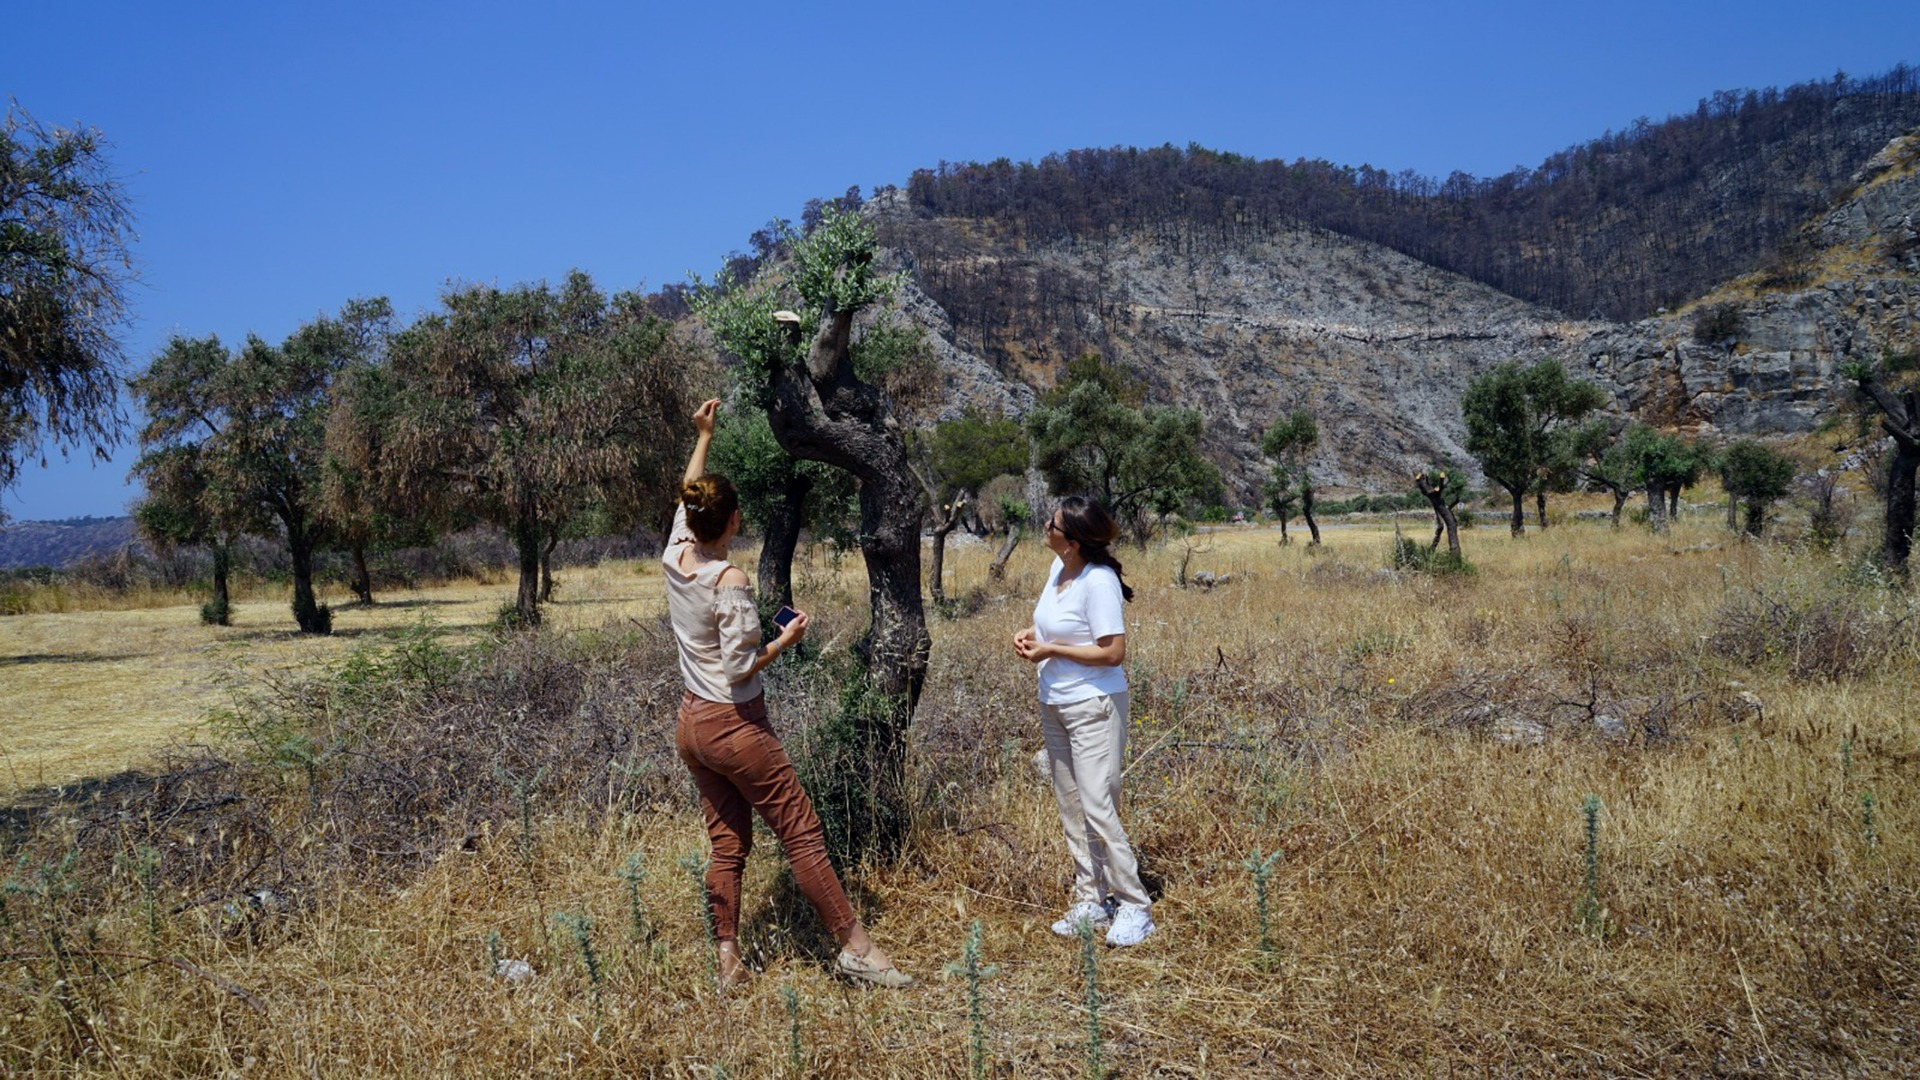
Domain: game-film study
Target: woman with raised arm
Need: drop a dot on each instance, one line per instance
(1078, 641)
(724, 736)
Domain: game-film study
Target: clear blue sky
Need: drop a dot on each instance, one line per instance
(284, 158)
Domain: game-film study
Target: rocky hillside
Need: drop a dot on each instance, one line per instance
(1764, 353)
(1381, 345)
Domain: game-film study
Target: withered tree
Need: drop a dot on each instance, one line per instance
(1444, 488)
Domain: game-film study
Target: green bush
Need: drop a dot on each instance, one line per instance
(216, 612)
(1411, 555)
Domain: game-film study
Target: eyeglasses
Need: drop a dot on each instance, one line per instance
(1052, 528)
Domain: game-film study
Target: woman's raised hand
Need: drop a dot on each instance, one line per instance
(703, 416)
(795, 629)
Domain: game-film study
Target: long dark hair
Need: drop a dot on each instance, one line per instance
(1087, 523)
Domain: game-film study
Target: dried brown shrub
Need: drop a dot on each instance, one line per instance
(1830, 634)
(379, 765)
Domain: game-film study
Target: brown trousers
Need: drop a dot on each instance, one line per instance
(739, 766)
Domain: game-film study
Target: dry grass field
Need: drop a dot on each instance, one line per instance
(94, 690)
(332, 895)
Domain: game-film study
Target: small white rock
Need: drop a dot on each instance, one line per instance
(514, 972)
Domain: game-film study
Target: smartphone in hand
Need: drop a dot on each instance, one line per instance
(784, 616)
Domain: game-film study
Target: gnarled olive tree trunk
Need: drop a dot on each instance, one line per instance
(307, 612)
(527, 537)
(1443, 519)
(362, 583)
(998, 569)
(826, 413)
(1901, 419)
(782, 540)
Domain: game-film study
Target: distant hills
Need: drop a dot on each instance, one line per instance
(62, 543)
(1241, 287)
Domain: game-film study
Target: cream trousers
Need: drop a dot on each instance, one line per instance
(1087, 744)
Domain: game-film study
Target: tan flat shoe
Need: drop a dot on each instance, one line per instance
(736, 979)
(860, 969)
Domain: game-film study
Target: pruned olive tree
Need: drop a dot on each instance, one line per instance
(793, 336)
(781, 495)
(519, 407)
(1662, 464)
(1444, 488)
(1287, 443)
(64, 271)
(953, 462)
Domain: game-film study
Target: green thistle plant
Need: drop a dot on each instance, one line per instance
(493, 952)
(1593, 917)
(523, 797)
(145, 865)
(1261, 867)
(1090, 973)
(695, 866)
(633, 873)
(582, 929)
(795, 1062)
(971, 969)
(1866, 820)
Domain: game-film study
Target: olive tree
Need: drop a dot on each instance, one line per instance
(256, 417)
(953, 462)
(521, 408)
(780, 495)
(1757, 475)
(1661, 463)
(64, 270)
(1444, 488)
(793, 335)
(1604, 463)
(183, 507)
(1287, 443)
(1515, 416)
(1137, 460)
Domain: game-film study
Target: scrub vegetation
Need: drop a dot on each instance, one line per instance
(1617, 803)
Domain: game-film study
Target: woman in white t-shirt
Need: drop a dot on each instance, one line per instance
(1079, 642)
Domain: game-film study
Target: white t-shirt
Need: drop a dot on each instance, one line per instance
(1085, 611)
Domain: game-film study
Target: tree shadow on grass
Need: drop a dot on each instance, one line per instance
(400, 605)
(65, 658)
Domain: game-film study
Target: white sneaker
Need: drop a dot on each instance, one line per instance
(1131, 925)
(1094, 915)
